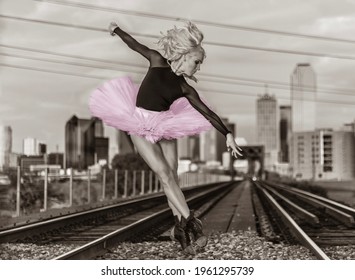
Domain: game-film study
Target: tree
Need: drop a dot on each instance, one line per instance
(131, 161)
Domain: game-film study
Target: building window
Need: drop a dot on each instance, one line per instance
(327, 168)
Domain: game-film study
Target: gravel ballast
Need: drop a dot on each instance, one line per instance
(241, 245)
(28, 251)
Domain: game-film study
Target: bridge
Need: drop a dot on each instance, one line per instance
(255, 156)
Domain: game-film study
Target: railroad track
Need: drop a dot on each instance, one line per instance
(309, 219)
(94, 231)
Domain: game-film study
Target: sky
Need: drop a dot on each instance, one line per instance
(47, 71)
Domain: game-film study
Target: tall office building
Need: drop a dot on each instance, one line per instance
(213, 143)
(112, 134)
(30, 146)
(183, 148)
(303, 98)
(125, 144)
(101, 149)
(14, 160)
(99, 128)
(351, 128)
(80, 142)
(34, 147)
(285, 133)
(5, 146)
(42, 149)
(119, 142)
(194, 146)
(323, 155)
(189, 147)
(207, 145)
(268, 128)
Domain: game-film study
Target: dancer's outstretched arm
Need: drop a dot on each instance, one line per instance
(152, 55)
(195, 101)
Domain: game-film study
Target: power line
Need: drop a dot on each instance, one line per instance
(208, 23)
(115, 68)
(108, 68)
(324, 55)
(281, 51)
(234, 93)
(250, 94)
(281, 85)
(53, 23)
(51, 71)
(70, 63)
(212, 77)
(71, 56)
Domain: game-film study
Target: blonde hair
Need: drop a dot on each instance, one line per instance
(179, 41)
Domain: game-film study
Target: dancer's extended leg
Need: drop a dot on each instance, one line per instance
(194, 225)
(169, 148)
(154, 157)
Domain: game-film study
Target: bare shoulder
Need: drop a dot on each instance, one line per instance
(157, 60)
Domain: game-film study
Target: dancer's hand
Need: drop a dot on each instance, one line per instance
(232, 146)
(112, 27)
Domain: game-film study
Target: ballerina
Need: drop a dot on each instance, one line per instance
(165, 107)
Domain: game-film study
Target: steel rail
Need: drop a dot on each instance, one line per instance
(9, 235)
(314, 200)
(294, 228)
(37, 228)
(101, 244)
(299, 210)
(336, 204)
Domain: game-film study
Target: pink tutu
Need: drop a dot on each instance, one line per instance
(114, 103)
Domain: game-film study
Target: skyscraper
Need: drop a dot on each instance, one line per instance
(213, 143)
(80, 145)
(125, 144)
(189, 147)
(303, 98)
(30, 146)
(195, 147)
(34, 147)
(119, 142)
(267, 128)
(285, 133)
(5, 146)
(208, 145)
(42, 148)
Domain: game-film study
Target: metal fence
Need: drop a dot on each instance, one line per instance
(37, 192)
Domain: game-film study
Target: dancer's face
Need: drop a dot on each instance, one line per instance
(191, 63)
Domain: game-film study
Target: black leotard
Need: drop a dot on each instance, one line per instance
(161, 87)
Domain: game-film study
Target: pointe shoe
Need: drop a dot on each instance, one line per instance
(179, 233)
(194, 226)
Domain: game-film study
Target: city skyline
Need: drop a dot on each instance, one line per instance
(44, 81)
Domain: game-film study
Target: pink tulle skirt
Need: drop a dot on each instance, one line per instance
(114, 102)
